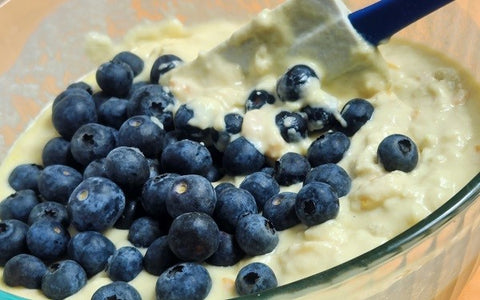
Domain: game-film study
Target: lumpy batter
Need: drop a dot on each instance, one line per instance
(429, 98)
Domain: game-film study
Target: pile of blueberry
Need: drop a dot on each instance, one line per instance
(126, 159)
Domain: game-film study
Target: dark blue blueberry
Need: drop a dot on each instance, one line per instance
(132, 60)
(49, 210)
(356, 113)
(143, 132)
(186, 157)
(12, 239)
(233, 123)
(232, 203)
(280, 210)
(57, 182)
(18, 205)
(333, 175)
(116, 290)
(96, 204)
(181, 123)
(223, 186)
(257, 99)
(330, 147)
(256, 235)
(172, 137)
(228, 253)
(71, 112)
(189, 193)
(159, 257)
(242, 158)
(193, 236)
(81, 85)
(115, 78)
(133, 210)
(47, 239)
(125, 264)
(57, 152)
(184, 281)
(71, 91)
(162, 65)
(398, 152)
(268, 170)
(316, 203)
(25, 177)
(92, 141)
(255, 278)
(96, 168)
(99, 98)
(215, 173)
(144, 231)
(153, 100)
(127, 167)
(113, 112)
(91, 250)
(24, 270)
(135, 86)
(155, 192)
(63, 279)
(291, 168)
(319, 118)
(262, 187)
(292, 126)
(290, 86)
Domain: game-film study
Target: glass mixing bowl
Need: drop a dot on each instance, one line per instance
(42, 52)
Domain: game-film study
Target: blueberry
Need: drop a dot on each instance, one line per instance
(91, 250)
(99, 98)
(186, 280)
(159, 257)
(356, 113)
(186, 157)
(63, 279)
(113, 112)
(71, 91)
(143, 132)
(115, 78)
(223, 186)
(291, 168)
(154, 194)
(96, 168)
(47, 239)
(57, 182)
(333, 175)
(257, 99)
(57, 152)
(330, 147)
(268, 170)
(193, 236)
(292, 126)
(316, 203)
(189, 193)
(96, 204)
(256, 235)
(255, 278)
(116, 290)
(280, 210)
(162, 65)
(172, 137)
(154, 166)
(232, 203)
(290, 86)
(125, 264)
(133, 210)
(25, 177)
(135, 86)
(12, 239)
(127, 167)
(132, 60)
(24, 270)
(72, 112)
(92, 141)
(49, 210)
(233, 123)
(319, 118)
(228, 252)
(153, 100)
(262, 186)
(398, 152)
(181, 123)
(144, 231)
(18, 205)
(81, 85)
(242, 158)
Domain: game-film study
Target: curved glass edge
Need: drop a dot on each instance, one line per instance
(405, 240)
(8, 296)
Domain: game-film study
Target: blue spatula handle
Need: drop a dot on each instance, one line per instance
(383, 19)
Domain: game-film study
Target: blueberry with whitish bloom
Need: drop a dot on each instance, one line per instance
(232, 203)
(186, 157)
(256, 235)
(159, 257)
(144, 231)
(280, 210)
(329, 147)
(47, 239)
(12, 239)
(291, 168)
(133, 210)
(131, 59)
(154, 194)
(57, 182)
(57, 152)
(333, 175)
(25, 177)
(255, 278)
(80, 85)
(96, 168)
(143, 132)
(262, 186)
(125, 264)
(228, 252)
(398, 152)
(18, 205)
(49, 210)
(24, 270)
(115, 78)
(63, 279)
(316, 203)
(242, 158)
(113, 112)
(116, 290)
(92, 141)
(127, 167)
